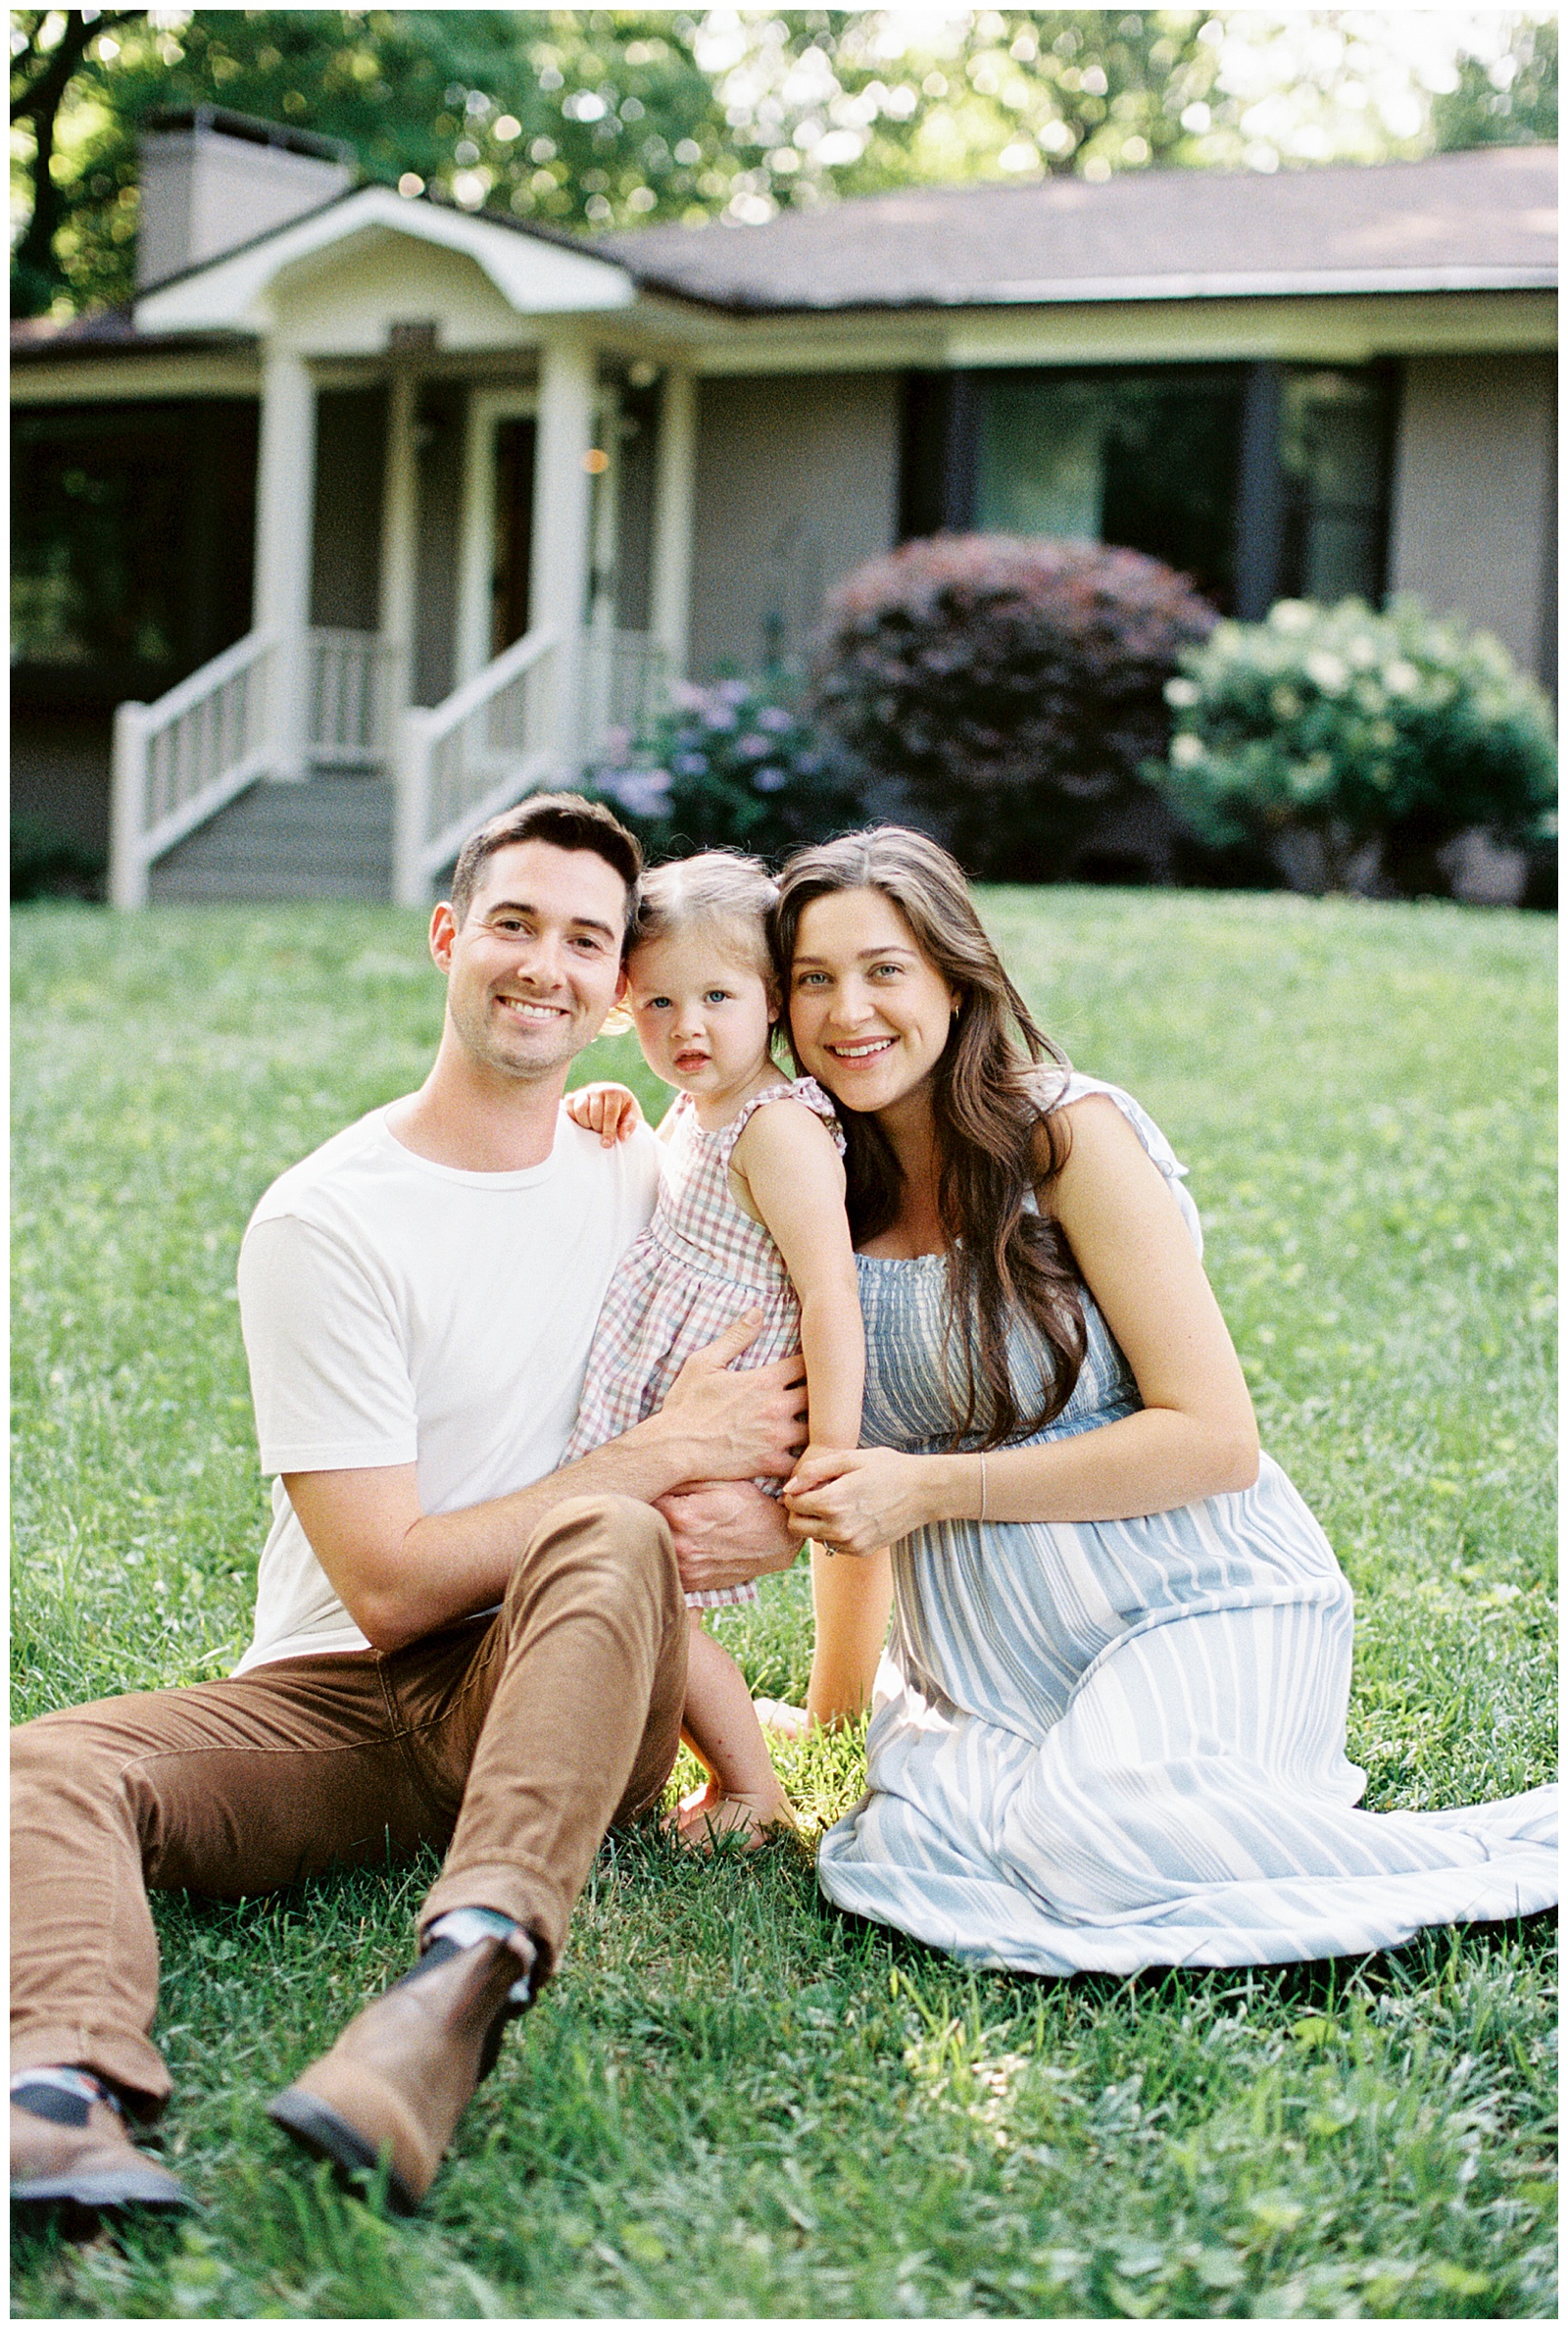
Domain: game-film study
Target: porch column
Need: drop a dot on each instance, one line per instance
(562, 504)
(286, 512)
(400, 542)
(675, 517)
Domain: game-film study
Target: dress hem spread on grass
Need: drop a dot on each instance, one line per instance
(1100, 1746)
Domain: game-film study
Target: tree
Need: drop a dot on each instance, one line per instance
(600, 117)
(47, 46)
(1506, 98)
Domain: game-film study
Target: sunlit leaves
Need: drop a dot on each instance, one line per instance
(609, 117)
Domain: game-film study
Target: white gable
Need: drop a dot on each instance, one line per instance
(243, 292)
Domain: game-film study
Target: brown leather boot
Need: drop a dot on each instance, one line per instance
(402, 2074)
(71, 2156)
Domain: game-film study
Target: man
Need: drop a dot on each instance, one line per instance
(455, 1643)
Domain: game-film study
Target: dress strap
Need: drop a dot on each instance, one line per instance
(1061, 1087)
(810, 1094)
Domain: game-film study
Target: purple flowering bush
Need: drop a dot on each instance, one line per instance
(734, 764)
(1011, 689)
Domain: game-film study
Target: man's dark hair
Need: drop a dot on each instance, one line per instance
(566, 822)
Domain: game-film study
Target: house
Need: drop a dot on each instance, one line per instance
(497, 484)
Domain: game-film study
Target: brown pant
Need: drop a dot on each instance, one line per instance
(516, 1741)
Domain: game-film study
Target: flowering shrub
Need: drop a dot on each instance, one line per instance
(1012, 689)
(1361, 727)
(733, 765)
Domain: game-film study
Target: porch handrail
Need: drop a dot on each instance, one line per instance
(491, 742)
(508, 665)
(182, 759)
(179, 761)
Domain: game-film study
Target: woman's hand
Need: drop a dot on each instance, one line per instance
(857, 1500)
(608, 1109)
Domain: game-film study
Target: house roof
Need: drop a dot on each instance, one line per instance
(105, 331)
(1472, 222)
(1477, 221)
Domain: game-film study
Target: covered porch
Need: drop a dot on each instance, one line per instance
(472, 561)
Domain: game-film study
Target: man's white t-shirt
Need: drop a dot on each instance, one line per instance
(401, 1312)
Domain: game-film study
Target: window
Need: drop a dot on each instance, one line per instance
(1334, 432)
(131, 540)
(1145, 461)
(1257, 480)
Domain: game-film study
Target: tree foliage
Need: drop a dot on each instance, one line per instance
(597, 118)
(1510, 98)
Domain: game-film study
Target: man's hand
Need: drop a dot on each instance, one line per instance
(727, 1533)
(608, 1109)
(737, 1426)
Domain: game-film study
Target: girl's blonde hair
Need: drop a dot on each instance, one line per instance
(720, 890)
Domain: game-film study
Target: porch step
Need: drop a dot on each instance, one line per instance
(327, 837)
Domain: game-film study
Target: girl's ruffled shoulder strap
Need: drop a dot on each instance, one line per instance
(810, 1094)
(1060, 1087)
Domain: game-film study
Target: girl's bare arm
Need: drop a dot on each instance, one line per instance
(794, 1178)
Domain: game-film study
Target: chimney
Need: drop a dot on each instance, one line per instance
(212, 180)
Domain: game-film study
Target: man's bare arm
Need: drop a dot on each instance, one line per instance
(402, 1572)
(727, 1532)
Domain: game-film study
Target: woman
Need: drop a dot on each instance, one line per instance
(1110, 1730)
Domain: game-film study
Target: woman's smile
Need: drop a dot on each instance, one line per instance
(869, 1012)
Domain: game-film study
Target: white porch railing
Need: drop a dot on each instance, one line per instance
(353, 679)
(625, 685)
(482, 749)
(180, 760)
(530, 718)
(510, 732)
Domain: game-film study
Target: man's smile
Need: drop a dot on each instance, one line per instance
(527, 1007)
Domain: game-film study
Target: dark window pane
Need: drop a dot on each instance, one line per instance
(1143, 460)
(131, 539)
(1334, 430)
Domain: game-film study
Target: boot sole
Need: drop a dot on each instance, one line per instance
(325, 2135)
(108, 2193)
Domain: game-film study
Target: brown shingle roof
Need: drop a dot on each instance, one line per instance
(1478, 220)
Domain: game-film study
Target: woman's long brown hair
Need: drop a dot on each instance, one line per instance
(1005, 1260)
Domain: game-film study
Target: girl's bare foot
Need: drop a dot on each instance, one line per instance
(782, 1719)
(707, 1813)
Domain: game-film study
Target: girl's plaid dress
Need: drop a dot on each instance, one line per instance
(697, 1266)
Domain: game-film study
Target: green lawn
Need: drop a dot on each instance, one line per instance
(733, 2102)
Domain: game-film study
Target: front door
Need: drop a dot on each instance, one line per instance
(514, 532)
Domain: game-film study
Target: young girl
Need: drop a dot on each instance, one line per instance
(750, 1218)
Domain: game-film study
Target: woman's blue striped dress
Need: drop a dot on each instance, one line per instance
(1122, 1744)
